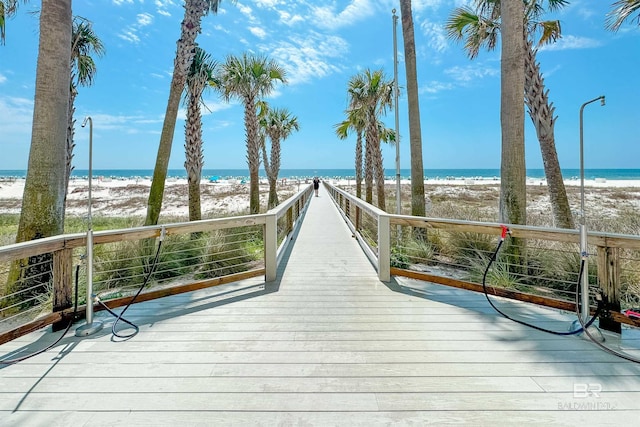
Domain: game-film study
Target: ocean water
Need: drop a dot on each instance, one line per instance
(608, 174)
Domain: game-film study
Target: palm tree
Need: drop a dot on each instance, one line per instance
(194, 11)
(482, 29)
(83, 69)
(201, 75)
(622, 10)
(371, 92)
(8, 9)
(42, 213)
(512, 169)
(249, 78)
(355, 121)
(358, 115)
(278, 124)
(415, 132)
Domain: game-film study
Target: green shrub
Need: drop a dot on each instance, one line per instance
(399, 259)
(498, 275)
(466, 248)
(224, 256)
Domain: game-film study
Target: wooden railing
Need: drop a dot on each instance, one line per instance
(266, 235)
(383, 237)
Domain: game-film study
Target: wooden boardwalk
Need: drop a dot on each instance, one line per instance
(327, 343)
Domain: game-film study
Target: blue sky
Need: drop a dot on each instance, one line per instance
(321, 45)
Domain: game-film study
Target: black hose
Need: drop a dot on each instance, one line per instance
(584, 326)
(50, 346)
(119, 317)
(577, 331)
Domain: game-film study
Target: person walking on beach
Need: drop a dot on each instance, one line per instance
(316, 185)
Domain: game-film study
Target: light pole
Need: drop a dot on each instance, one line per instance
(584, 251)
(91, 326)
(395, 95)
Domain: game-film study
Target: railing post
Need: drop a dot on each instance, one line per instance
(270, 247)
(609, 281)
(384, 248)
(62, 288)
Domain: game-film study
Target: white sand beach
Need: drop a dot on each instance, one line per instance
(128, 197)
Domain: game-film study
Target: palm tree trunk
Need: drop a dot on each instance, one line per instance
(273, 194)
(42, 213)
(275, 170)
(359, 165)
(513, 185)
(70, 136)
(194, 10)
(272, 174)
(513, 170)
(253, 155)
(378, 170)
(415, 132)
(368, 170)
(194, 157)
(156, 192)
(541, 112)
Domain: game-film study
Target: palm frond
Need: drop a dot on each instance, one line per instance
(622, 10)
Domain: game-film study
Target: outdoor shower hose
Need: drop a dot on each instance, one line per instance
(584, 326)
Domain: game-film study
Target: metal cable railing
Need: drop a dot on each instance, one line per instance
(537, 264)
(36, 277)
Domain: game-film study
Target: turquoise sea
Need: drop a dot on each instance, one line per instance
(435, 174)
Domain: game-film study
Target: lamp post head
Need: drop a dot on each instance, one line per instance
(602, 100)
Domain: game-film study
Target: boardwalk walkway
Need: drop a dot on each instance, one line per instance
(327, 343)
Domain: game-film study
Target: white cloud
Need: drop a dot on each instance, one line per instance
(258, 32)
(2, 78)
(221, 28)
(572, 42)
(130, 36)
(436, 35)
(119, 2)
(16, 115)
(419, 6)
(268, 3)
(471, 72)
(144, 19)
(247, 12)
(163, 5)
(288, 19)
(121, 122)
(327, 17)
(132, 32)
(308, 57)
(208, 108)
(434, 87)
